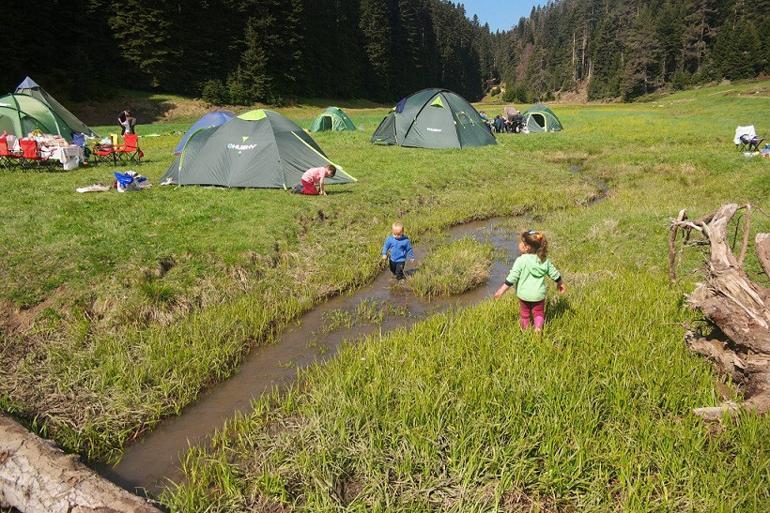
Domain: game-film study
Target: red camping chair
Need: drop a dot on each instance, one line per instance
(129, 151)
(8, 157)
(104, 153)
(30, 154)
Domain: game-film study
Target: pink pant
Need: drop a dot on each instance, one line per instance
(527, 310)
(309, 188)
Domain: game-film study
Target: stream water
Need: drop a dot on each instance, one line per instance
(150, 464)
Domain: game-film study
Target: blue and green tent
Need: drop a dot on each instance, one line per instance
(259, 148)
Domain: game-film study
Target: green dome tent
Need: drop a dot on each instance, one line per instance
(434, 118)
(332, 119)
(30, 88)
(21, 114)
(540, 119)
(259, 148)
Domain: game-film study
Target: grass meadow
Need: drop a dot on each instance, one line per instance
(461, 413)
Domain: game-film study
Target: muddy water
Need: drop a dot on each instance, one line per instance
(148, 465)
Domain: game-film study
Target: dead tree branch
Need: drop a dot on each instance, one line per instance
(733, 303)
(36, 477)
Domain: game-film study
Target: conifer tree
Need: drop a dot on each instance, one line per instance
(376, 31)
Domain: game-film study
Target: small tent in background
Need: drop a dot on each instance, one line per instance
(259, 148)
(434, 118)
(210, 120)
(21, 114)
(332, 119)
(30, 88)
(540, 119)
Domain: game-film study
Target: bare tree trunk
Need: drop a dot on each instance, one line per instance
(738, 307)
(36, 477)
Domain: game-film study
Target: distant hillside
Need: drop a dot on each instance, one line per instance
(628, 48)
(246, 51)
(273, 51)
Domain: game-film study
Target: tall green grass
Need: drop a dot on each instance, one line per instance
(466, 413)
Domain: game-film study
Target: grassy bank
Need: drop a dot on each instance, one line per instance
(466, 413)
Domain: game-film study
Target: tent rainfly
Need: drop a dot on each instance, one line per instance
(30, 88)
(540, 119)
(332, 119)
(21, 114)
(210, 120)
(259, 148)
(434, 118)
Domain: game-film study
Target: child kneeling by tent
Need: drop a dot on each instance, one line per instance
(312, 182)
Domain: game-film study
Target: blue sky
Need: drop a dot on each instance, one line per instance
(500, 14)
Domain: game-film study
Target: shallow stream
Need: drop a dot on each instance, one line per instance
(149, 465)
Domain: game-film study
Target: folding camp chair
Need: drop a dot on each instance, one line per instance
(129, 151)
(104, 153)
(8, 157)
(746, 138)
(30, 154)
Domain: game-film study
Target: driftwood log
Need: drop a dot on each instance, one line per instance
(36, 477)
(736, 307)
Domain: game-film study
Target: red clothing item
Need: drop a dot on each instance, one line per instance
(309, 188)
(529, 309)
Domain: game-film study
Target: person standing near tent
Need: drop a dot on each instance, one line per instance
(312, 182)
(127, 122)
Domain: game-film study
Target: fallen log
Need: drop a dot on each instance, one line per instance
(737, 308)
(37, 477)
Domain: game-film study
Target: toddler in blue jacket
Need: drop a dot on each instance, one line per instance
(397, 249)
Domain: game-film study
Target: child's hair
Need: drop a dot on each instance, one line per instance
(536, 241)
(398, 226)
(332, 168)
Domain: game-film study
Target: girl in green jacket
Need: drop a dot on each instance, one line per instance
(528, 277)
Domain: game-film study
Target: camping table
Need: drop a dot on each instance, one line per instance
(70, 156)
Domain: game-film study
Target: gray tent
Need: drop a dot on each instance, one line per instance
(434, 118)
(260, 148)
(31, 88)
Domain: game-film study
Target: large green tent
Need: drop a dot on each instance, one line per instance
(30, 88)
(434, 118)
(21, 114)
(259, 148)
(332, 119)
(540, 119)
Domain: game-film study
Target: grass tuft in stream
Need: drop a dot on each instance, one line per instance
(453, 268)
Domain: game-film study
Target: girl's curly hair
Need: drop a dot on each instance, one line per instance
(537, 242)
